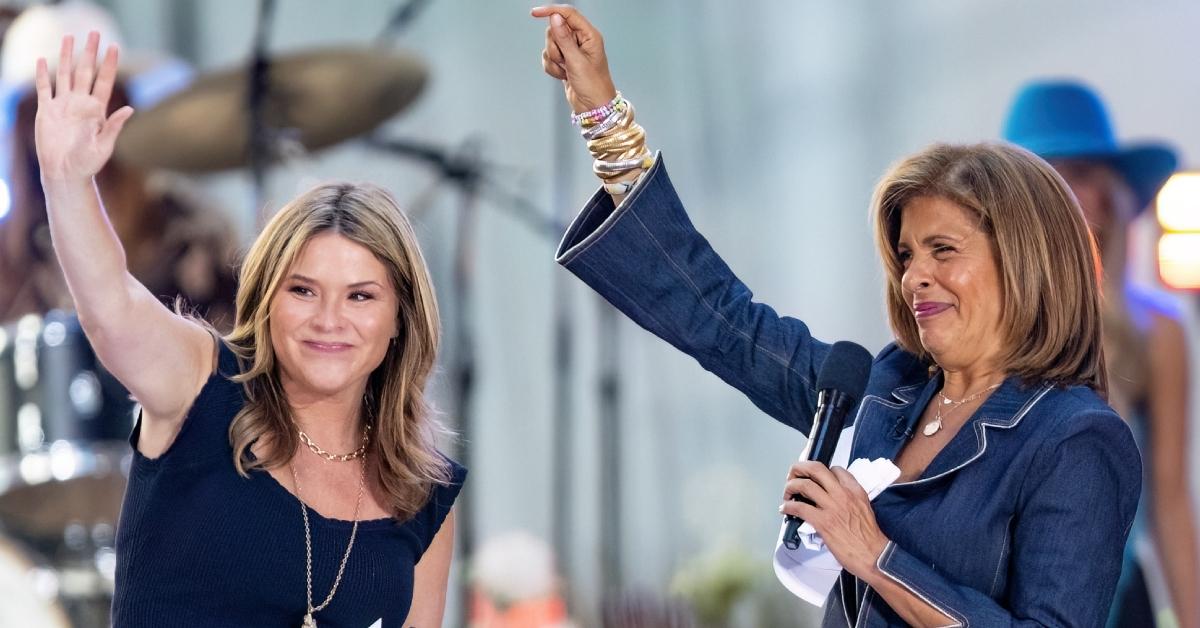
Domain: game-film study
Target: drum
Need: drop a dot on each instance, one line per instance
(52, 387)
(64, 460)
(63, 425)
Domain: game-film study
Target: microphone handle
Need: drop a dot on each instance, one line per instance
(832, 407)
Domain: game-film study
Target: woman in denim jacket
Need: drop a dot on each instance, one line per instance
(1018, 483)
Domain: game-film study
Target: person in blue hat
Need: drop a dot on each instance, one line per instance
(1066, 123)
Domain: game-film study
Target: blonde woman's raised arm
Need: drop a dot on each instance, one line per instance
(162, 358)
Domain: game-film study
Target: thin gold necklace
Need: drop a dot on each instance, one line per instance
(309, 622)
(934, 426)
(332, 457)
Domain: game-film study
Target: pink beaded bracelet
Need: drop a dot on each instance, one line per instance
(595, 116)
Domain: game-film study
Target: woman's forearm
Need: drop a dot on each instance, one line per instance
(88, 250)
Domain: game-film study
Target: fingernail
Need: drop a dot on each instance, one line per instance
(556, 20)
(780, 507)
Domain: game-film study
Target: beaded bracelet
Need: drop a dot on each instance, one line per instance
(592, 117)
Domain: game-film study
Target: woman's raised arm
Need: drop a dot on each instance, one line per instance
(162, 358)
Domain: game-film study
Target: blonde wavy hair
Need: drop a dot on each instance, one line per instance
(407, 463)
(1049, 266)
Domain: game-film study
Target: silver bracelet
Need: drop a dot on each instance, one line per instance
(611, 121)
(624, 165)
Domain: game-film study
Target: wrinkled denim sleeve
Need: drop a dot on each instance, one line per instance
(1076, 509)
(647, 259)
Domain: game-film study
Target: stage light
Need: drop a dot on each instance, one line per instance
(1179, 260)
(1179, 203)
(1178, 210)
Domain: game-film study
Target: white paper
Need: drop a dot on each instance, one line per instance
(810, 571)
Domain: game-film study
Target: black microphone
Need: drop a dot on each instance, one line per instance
(840, 385)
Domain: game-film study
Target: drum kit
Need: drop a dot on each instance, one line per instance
(64, 421)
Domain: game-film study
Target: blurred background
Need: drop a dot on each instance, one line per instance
(610, 476)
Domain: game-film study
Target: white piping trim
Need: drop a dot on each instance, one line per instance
(907, 389)
(891, 546)
(865, 607)
(846, 607)
(983, 425)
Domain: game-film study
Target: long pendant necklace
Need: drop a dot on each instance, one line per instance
(309, 622)
(934, 426)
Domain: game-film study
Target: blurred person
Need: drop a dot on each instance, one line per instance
(515, 584)
(1066, 123)
(175, 244)
(285, 474)
(1018, 482)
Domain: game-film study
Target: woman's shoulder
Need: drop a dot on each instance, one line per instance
(1082, 444)
(444, 494)
(441, 500)
(204, 433)
(230, 362)
(1073, 411)
(222, 383)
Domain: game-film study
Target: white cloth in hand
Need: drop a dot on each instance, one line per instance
(810, 570)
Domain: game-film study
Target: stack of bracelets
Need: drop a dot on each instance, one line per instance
(617, 143)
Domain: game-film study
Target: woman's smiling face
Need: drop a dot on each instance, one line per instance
(951, 281)
(332, 317)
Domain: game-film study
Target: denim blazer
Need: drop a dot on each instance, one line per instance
(1019, 521)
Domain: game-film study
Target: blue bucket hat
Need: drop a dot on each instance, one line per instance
(1065, 119)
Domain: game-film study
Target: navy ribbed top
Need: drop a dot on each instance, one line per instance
(199, 545)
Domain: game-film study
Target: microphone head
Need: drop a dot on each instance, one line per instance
(846, 368)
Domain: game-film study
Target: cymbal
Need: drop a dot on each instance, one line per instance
(318, 97)
(35, 504)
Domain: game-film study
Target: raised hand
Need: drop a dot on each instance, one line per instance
(74, 136)
(574, 54)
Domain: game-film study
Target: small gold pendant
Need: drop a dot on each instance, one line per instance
(932, 427)
(309, 622)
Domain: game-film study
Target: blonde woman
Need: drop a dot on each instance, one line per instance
(286, 474)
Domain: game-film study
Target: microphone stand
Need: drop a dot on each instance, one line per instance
(563, 414)
(260, 137)
(464, 367)
(466, 169)
(469, 169)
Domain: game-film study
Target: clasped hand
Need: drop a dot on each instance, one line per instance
(840, 511)
(574, 54)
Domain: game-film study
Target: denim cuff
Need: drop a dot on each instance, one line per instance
(600, 214)
(912, 574)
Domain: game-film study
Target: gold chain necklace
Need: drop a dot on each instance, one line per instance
(935, 425)
(332, 457)
(309, 622)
